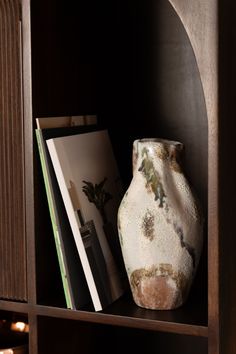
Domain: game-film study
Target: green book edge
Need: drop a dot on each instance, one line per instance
(46, 178)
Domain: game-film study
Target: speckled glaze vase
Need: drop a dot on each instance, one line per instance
(160, 227)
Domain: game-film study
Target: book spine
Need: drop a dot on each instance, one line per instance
(47, 183)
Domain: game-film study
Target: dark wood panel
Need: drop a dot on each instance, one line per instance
(146, 342)
(227, 175)
(33, 334)
(63, 336)
(64, 55)
(12, 202)
(96, 338)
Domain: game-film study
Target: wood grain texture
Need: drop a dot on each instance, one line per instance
(227, 174)
(211, 29)
(200, 20)
(12, 203)
(29, 151)
(33, 335)
(157, 322)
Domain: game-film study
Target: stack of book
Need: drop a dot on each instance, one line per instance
(84, 190)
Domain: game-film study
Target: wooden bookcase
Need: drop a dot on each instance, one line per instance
(146, 68)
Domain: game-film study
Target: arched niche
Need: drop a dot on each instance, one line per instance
(152, 86)
(176, 102)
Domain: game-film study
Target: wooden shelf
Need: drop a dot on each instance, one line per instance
(188, 320)
(127, 314)
(15, 306)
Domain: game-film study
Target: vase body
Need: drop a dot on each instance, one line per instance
(160, 227)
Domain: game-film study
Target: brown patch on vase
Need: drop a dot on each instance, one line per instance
(158, 288)
(169, 154)
(173, 159)
(148, 188)
(175, 166)
(162, 152)
(165, 269)
(148, 226)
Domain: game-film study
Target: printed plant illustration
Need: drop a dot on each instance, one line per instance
(97, 195)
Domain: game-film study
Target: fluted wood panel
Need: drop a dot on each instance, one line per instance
(12, 205)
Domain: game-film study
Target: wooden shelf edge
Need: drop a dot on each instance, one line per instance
(125, 321)
(109, 319)
(14, 306)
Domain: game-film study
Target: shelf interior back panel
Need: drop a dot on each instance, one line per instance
(144, 73)
(139, 340)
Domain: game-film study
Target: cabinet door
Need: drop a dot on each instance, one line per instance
(12, 203)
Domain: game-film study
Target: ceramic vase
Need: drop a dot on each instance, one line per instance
(160, 227)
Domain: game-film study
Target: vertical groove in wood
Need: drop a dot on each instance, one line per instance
(12, 213)
(29, 151)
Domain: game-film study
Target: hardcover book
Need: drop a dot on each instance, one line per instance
(65, 121)
(90, 186)
(73, 279)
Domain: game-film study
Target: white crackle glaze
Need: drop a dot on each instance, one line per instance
(160, 227)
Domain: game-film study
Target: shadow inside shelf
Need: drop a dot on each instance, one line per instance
(12, 339)
(193, 312)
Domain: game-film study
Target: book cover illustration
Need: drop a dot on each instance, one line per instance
(90, 185)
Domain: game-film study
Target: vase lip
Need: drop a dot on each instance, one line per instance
(161, 141)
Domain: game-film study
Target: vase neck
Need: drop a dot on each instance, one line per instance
(166, 152)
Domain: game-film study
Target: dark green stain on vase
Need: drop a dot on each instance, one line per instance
(153, 180)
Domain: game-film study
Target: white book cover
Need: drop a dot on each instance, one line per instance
(90, 185)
